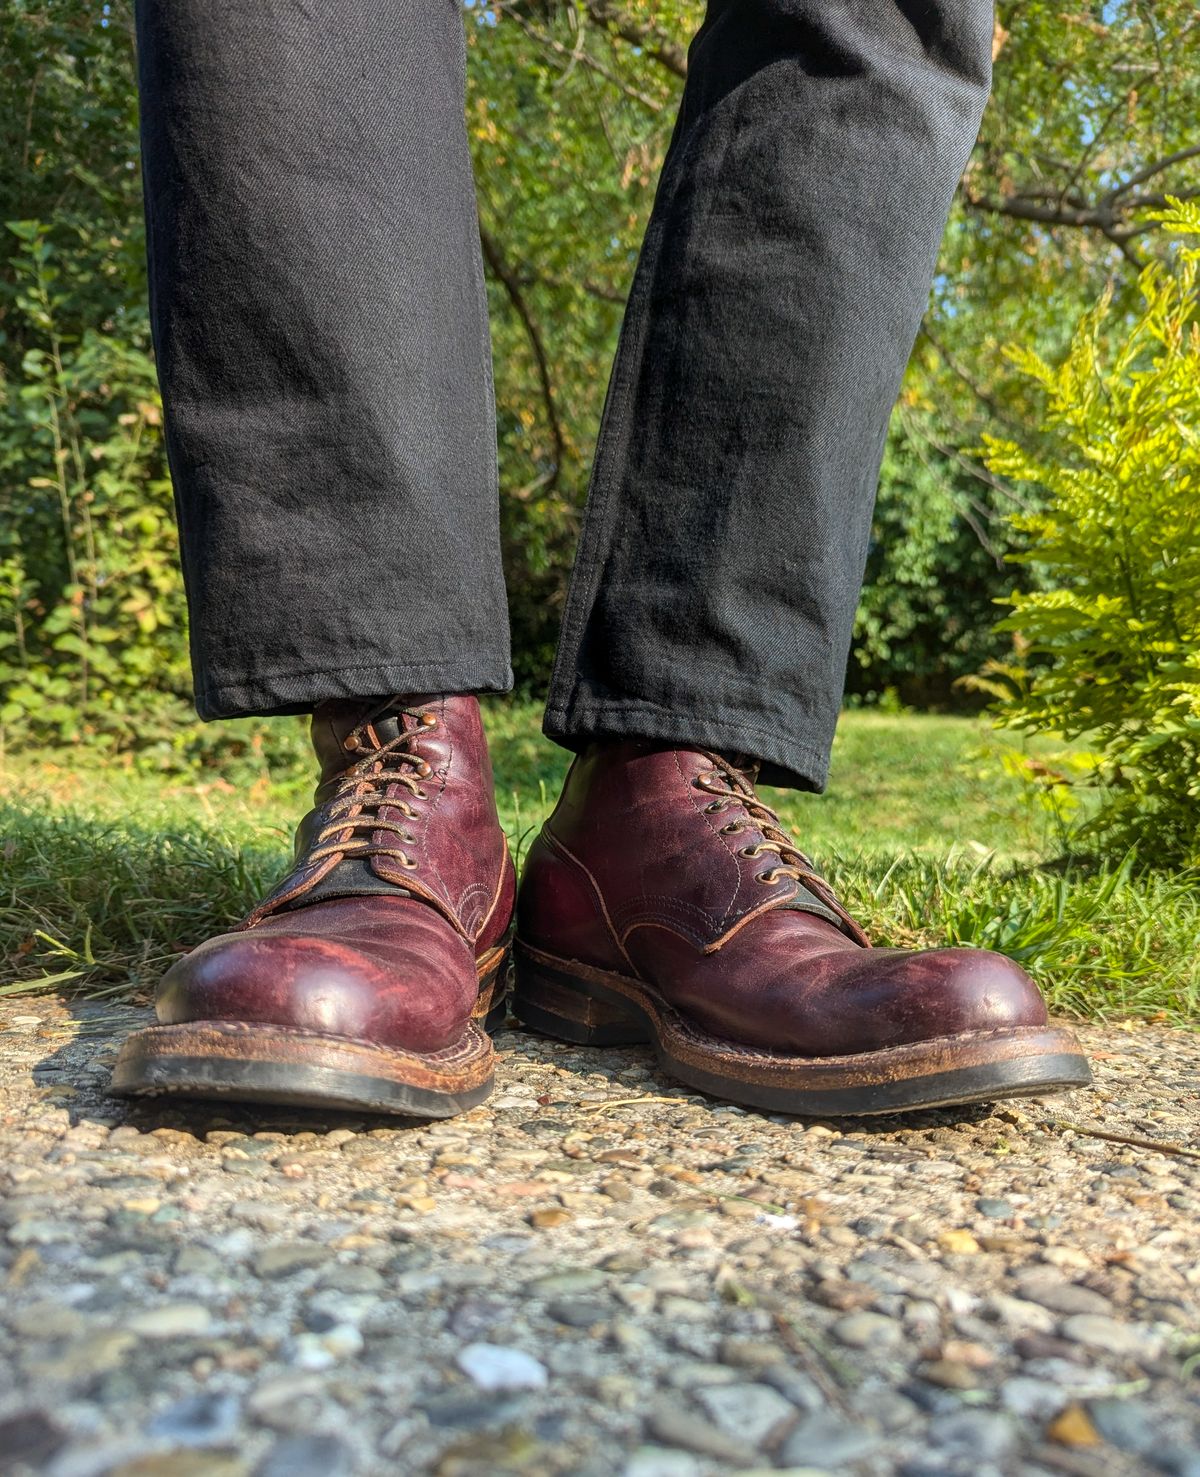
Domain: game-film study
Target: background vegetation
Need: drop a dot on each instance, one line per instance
(570, 110)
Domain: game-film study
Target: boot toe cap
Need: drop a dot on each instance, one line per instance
(411, 988)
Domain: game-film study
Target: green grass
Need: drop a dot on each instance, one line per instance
(106, 873)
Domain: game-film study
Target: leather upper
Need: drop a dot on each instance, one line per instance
(663, 865)
(402, 882)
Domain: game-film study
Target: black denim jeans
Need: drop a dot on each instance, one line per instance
(321, 330)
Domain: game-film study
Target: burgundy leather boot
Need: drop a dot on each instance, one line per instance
(664, 903)
(371, 975)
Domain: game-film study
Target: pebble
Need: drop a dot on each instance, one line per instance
(495, 1367)
(307, 1456)
(745, 1353)
(660, 1461)
(286, 1257)
(753, 1413)
(867, 1331)
(578, 1312)
(827, 1440)
(176, 1320)
(1113, 1337)
(577, 1280)
(1032, 1399)
(982, 1435)
(678, 1426)
(1126, 1424)
(198, 1420)
(1050, 1290)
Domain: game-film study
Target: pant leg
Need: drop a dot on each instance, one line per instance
(782, 280)
(320, 323)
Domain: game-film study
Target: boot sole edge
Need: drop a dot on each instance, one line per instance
(588, 1006)
(237, 1061)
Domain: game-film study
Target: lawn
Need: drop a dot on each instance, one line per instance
(106, 872)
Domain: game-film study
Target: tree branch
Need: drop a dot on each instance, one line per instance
(659, 48)
(575, 55)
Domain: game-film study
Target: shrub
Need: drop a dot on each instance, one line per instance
(1114, 642)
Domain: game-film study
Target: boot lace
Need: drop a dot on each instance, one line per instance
(738, 789)
(353, 814)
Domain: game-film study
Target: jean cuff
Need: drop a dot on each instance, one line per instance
(280, 693)
(796, 762)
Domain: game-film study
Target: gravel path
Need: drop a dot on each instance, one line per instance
(594, 1274)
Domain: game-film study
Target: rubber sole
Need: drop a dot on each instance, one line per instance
(238, 1061)
(594, 1007)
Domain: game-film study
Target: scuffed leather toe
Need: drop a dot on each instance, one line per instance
(388, 970)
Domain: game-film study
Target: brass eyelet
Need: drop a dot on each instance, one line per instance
(732, 828)
(768, 879)
(750, 851)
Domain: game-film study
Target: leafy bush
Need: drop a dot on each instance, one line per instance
(935, 569)
(1119, 538)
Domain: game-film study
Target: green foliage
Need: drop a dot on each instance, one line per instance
(91, 611)
(1119, 535)
(569, 115)
(934, 572)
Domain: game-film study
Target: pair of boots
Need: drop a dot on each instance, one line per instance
(661, 903)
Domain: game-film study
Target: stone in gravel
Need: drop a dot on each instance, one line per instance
(1032, 1399)
(578, 1312)
(691, 1374)
(96, 1354)
(753, 1413)
(1018, 1313)
(867, 1331)
(339, 1278)
(660, 1461)
(950, 1374)
(175, 1321)
(1045, 1286)
(34, 1231)
(29, 1439)
(548, 1219)
(1111, 1336)
(462, 1410)
(1124, 1423)
(997, 1210)
(495, 1367)
(827, 1440)
(47, 1320)
(474, 1316)
(279, 1401)
(677, 1426)
(575, 1280)
(982, 1435)
(197, 1260)
(306, 1456)
(684, 1310)
(198, 1420)
(750, 1353)
(286, 1257)
(795, 1386)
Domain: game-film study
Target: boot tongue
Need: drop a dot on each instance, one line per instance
(352, 877)
(343, 733)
